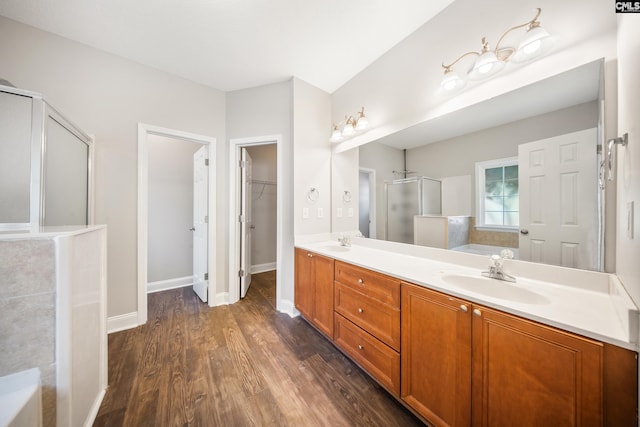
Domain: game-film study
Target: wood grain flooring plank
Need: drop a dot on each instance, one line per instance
(238, 365)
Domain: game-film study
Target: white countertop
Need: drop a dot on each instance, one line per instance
(39, 232)
(587, 303)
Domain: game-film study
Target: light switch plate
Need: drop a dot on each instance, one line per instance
(305, 213)
(350, 212)
(339, 212)
(320, 212)
(630, 218)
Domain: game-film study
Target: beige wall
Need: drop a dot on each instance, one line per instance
(312, 158)
(107, 96)
(628, 162)
(384, 160)
(170, 242)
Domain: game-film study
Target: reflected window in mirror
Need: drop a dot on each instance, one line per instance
(497, 194)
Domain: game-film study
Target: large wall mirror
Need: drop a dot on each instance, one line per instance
(518, 171)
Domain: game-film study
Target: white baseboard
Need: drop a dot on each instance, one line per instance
(165, 285)
(122, 322)
(220, 299)
(288, 307)
(93, 412)
(261, 268)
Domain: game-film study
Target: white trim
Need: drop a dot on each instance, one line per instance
(165, 285)
(122, 321)
(261, 268)
(372, 201)
(235, 146)
(288, 307)
(143, 209)
(93, 412)
(219, 299)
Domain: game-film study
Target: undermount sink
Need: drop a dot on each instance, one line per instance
(495, 288)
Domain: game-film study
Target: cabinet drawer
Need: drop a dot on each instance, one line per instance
(379, 360)
(380, 320)
(375, 285)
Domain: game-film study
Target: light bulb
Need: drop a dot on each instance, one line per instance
(486, 65)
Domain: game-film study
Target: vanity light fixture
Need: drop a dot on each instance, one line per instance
(350, 126)
(535, 43)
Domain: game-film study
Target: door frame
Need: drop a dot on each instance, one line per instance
(144, 130)
(235, 146)
(372, 200)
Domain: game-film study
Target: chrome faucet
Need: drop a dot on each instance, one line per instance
(344, 241)
(496, 270)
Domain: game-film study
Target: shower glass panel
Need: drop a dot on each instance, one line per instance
(15, 158)
(403, 203)
(66, 173)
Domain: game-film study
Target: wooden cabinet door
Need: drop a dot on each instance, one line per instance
(436, 356)
(305, 284)
(528, 374)
(323, 304)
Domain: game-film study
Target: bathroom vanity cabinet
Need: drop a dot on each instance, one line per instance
(501, 366)
(459, 363)
(314, 289)
(367, 321)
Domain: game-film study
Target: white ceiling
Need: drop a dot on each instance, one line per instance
(236, 44)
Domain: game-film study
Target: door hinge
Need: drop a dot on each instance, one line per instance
(206, 219)
(206, 162)
(241, 273)
(242, 163)
(241, 218)
(206, 276)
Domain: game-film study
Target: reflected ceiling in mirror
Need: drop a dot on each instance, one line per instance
(573, 87)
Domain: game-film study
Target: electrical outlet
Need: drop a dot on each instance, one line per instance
(339, 212)
(320, 212)
(630, 220)
(305, 213)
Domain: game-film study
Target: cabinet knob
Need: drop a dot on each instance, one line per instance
(360, 310)
(310, 255)
(464, 308)
(360, 281)
(360, 347)
(477, 312)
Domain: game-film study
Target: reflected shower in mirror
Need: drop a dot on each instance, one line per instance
(519, 171)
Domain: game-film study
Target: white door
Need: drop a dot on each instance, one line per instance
(200, 223)
(558, 213)
(246, 224)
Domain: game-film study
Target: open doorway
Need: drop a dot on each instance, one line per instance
(255, 239)
(258, 212)
(367, 202)
(166, 160)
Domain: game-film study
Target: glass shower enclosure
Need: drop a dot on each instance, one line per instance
(406, 198)
(45, 164)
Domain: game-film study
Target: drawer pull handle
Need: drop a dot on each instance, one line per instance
(360, 347)
(360, 281)
(477, 312)
(360, 310)
(464, 308)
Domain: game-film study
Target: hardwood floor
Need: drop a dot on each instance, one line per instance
(238, 365)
